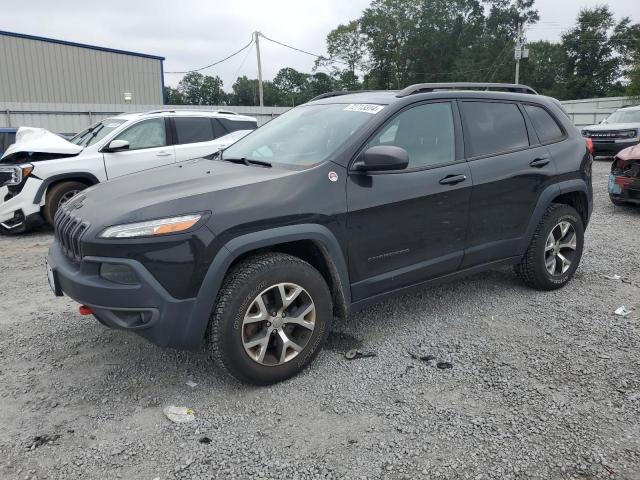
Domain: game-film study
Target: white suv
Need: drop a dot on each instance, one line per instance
(41, 170)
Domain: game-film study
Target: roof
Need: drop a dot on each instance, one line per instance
(632, 107)
(8, 130)
(80, 45)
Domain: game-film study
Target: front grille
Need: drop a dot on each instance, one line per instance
(68, 232)
(610, 134)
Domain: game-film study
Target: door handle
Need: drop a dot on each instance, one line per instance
(163, 154)
(539, 162)
(453, 179)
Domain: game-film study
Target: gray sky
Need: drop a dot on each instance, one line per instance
(191, 33)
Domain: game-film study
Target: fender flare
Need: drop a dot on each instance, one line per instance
(208, 292)
(544, 201)
(62, 176)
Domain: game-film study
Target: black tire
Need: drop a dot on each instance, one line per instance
(57, 193)
(241, 286)
(532, 268)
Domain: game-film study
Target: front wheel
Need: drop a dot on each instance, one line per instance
(271, 318)
(58, 195)
(555, 249)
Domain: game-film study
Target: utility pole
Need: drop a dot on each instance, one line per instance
(260, 91)
(518, 52)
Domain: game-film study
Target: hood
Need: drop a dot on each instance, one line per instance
(629, 154)
(605, 127)
(39, 140)
(187, 187)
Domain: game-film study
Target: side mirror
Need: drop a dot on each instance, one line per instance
(117, 146)
(382, 158)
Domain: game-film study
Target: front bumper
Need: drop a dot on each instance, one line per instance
(145, 307)
(624, 189)
(21, 205)
(610, 148)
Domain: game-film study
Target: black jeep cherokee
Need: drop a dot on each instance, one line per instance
(335, 204)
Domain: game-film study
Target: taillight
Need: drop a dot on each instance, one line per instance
(589, 145)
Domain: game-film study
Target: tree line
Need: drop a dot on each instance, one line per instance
(399, 42)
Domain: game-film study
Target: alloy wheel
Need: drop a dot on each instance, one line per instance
(67, 196)
(560, 248)
(278, 324)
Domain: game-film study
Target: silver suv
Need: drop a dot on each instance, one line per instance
(618, 131)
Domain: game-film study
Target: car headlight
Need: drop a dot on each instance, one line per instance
(15, 174)
(152, 228)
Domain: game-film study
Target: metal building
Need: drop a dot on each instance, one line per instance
(44, 70)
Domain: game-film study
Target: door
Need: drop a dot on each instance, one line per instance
(148, 148)
(408, 226)
(193, 137)
(510, 169)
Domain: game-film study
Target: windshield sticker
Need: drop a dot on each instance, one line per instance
(112, 125)
(364, 107)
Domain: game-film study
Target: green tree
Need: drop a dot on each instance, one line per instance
(291, 86)
(199, 89)
(346, 48)
(633, 88)
(544, 69)
(592, 64)
(172, 96)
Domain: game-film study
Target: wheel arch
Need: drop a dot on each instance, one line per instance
(49, 182)
(570, 192)
(314, 243)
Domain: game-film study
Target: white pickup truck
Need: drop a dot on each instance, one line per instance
(42, 170)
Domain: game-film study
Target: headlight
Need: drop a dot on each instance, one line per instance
(14, 174)
(152, 228)
(627, 133)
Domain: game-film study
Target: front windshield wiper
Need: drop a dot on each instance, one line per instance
(246, 161)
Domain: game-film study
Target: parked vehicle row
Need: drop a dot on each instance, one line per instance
(41, 171)
(331, 206)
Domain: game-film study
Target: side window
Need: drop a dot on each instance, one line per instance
(546, 127)
(233, 125)
(193, 129)
(493, 128)
(426, 132)
(146, 134)
(218, 129)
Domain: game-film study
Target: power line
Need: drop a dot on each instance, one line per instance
(235, 75)
(218, 62)
(302, 51)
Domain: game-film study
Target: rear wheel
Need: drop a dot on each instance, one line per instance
(58, 195)
(555, 249)
(271, 318)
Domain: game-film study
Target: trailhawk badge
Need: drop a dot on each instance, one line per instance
(333, 176)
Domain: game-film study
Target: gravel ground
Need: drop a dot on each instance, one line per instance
(542, 385)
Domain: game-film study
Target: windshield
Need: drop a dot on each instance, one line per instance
(96, 132)
(624, 116)
(303, 136)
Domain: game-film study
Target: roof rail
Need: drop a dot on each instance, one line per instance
(226, 112)
(157, 111)
(432, 87)
(338, 93)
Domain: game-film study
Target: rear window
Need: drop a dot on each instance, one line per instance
(233, 125)
(493, 128)
(193, 129)
(544, 124)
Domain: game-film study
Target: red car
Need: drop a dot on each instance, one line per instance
(624, 179)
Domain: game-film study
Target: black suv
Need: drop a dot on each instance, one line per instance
(335, 204)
